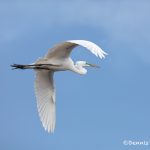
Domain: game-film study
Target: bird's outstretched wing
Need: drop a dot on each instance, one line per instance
(64, 49)
(45, 94)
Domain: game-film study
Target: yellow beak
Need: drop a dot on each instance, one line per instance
(92, 65)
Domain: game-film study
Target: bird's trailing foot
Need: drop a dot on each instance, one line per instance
(33, 66)
(17, 66)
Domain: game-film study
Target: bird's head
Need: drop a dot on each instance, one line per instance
(81, 64)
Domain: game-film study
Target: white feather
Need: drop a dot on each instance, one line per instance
(64, 49)
(45, 94)
(92, 47)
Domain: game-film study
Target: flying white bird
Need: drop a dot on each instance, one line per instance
(57, 59)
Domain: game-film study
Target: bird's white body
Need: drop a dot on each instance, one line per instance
(59, 65)
(57, 59)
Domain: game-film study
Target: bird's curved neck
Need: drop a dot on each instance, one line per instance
(79, 69)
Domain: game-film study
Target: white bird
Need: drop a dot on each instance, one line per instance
(57, 59)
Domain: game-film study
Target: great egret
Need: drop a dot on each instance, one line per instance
(57, 59)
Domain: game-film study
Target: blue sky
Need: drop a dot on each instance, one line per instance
(95, 111)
